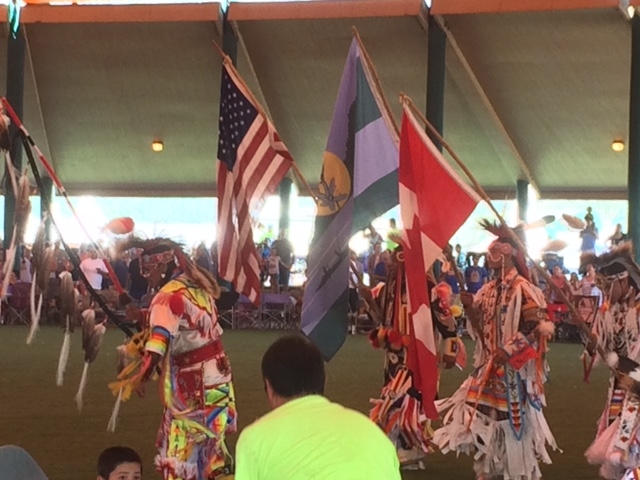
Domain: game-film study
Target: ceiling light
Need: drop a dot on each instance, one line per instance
(157, 146)
(617, 145)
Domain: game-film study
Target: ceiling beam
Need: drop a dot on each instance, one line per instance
(44, 13)
(448, 7)
(314, 9)
(489, 106)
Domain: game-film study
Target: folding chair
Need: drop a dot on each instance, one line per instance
(277, 310)
(246, 314)
(18, 304)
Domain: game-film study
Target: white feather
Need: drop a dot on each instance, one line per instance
(111, 426)
(64, 356)
(35, 320)
(82, 386)
(612, 359)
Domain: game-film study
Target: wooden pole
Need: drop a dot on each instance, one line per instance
(372, 76)
(405, 100)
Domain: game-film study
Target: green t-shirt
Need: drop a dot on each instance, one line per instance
(312, 438)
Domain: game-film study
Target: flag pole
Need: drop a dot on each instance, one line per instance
(405, 100)
(226, 60)
(372, 75)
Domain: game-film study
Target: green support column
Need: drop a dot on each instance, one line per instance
(45, 204)
(229, 39)
(633, 176)
(436, 48)
(522, 197)
(284, 190)
(15, 96)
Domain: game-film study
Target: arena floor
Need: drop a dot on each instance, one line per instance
(43, 418)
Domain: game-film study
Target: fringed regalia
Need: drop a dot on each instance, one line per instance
(399, 410)
(196, 382)
(617, 444)
(195, 373)
(496, 414)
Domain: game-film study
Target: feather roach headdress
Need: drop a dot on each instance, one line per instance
(502, 232)
(163, 250)
(618, 262)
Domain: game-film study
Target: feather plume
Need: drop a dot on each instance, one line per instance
(574, 222)
(64, 356)
(111, 426)
(35, 316)
(82, 386)
(68, 303)
(23, 207)
(92, 335)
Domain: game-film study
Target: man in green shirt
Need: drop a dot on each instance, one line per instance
(392, 235)
(305, 435)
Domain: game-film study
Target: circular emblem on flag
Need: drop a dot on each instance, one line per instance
(335, 185)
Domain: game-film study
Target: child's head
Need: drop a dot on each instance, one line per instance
(119, 463)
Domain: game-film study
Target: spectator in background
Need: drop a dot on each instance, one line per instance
(392, 234)
(450, 278)
(202, 257)
(558, 283)
(137, 285)
(285, 252)
(305, 435)
(373, 260)
(381, 269)
(25, 266)
(574, 284)
(461, 259)
(121, 269)
(589, 283)
(589, 234)
(93, 268)
(119, 463)
(475, 275)
(374, 237)
(618, 237)
(273, 268)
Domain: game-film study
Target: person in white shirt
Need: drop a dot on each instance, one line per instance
(25, 266)
(94, 269)
(273, 267)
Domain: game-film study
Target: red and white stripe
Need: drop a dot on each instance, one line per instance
(434, 203)
(262, 162)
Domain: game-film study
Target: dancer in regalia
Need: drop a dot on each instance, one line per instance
(617, 444)
(399, 410)
(496, 415)
(184, 345)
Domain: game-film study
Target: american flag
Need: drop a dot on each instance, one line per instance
(252, 160)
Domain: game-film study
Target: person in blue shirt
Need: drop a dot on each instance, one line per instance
(475, 275)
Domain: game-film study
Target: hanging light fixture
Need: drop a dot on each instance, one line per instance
(157, 145)
(617, 145)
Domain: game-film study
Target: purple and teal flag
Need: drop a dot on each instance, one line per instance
(359, 183)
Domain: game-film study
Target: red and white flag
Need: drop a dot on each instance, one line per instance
(434, 203)
(252, 160)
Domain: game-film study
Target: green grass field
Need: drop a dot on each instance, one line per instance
(43, 418)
